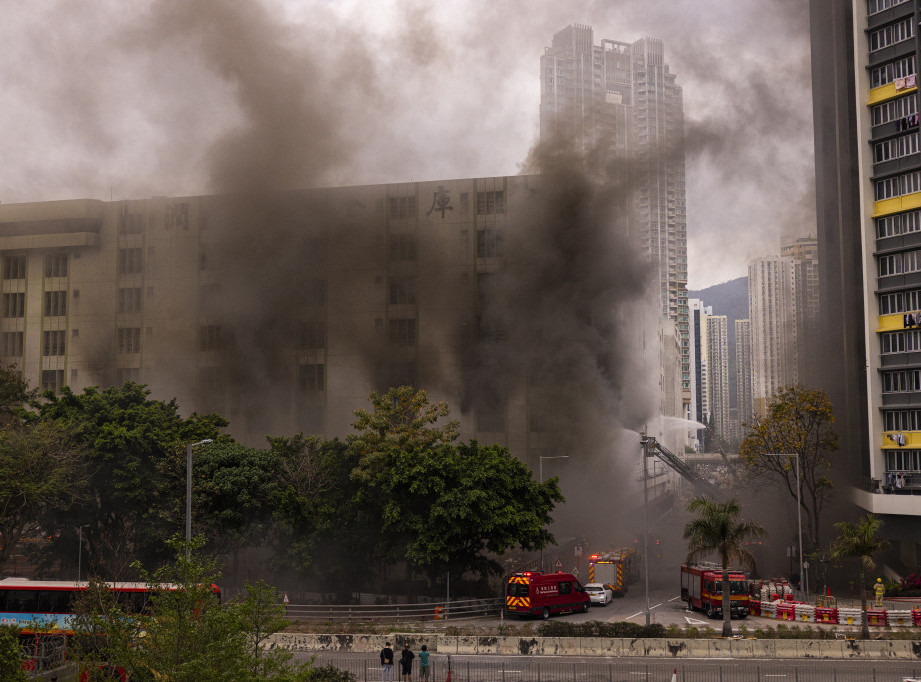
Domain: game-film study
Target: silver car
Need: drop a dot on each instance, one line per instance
(599, 594)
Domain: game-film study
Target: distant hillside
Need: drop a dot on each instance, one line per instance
(729, 299)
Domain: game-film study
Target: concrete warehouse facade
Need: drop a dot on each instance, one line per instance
(283, 311)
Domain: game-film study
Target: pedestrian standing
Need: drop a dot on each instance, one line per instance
(406, 663)
(387, 663)
(424, 663)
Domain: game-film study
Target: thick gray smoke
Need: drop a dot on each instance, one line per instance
(257, 99)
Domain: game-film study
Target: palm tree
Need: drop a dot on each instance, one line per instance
(718, 530)
(859, 541)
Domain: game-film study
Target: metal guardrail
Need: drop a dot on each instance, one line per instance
(389, 613)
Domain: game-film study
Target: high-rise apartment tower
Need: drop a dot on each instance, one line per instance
(620, 100)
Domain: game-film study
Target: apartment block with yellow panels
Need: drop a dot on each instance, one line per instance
(886, 65)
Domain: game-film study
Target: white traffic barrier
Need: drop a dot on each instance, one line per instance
(768, 609)
(899, 617)
(805, 613)
(849, 617)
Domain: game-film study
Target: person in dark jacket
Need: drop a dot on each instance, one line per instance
(387, 663)
(406, 663)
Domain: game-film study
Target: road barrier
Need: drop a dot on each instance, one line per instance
(786, 612)
(825, 614)
(876, 617)
(902, 617)
(849, 617)
(805, 613)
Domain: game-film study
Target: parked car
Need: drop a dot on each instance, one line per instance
(599, 594)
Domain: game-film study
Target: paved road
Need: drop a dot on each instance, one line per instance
(492, 668)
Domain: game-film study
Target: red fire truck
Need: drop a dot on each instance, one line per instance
(541, 594)
(702, 589)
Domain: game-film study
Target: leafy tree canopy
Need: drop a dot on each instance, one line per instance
(43, 470)
(127, 434)
(799, 422)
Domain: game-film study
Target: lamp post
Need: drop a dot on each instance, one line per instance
(188, 487)
(644, 444)
(799, 518)
(541, 468)
(80, 549)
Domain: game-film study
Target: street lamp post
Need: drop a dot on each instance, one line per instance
(541, 469)
(644, 444)
(188, 487)
(80, 549)
(799, 518)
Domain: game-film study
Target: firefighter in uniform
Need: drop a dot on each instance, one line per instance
(880, 591)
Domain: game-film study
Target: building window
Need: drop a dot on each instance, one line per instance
(129, 340)
(898, 185)
(892, 34)
(488, 203)
(12, 344)
(14, 267)
(129, 300)
(899, 263)
(52, 379)
(881, 75)
(402, 208)
(311, 377)
(403, 332)
(901, 223)
(874, 6)
(894, 110)
(489, 244)
(14, 305)
(53, 342)
(403, 247)
(902, 381)
(125, 374)
(56, 265)
(895, 148)
(209, 337)
(55, 303)
(313, 334)
(402, 290)
(130, 261)
(903, 460)
(902, 420)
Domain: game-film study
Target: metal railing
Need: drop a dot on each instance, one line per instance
(526, 669)
(389, 613)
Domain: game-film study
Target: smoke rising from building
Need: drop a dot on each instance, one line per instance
(257, 100)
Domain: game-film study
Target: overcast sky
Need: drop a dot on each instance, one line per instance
(112, 100)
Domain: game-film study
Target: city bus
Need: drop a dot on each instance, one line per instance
(46, 605)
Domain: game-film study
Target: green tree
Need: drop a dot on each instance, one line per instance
(42, 471)
(440, 506)
(185, 634)
(232, 491)
(11, 656)
(859, 541)
(719, 530)
(315, 514)
(127, 435)
(799, 421)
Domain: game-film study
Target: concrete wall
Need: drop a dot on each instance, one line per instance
(596, 646)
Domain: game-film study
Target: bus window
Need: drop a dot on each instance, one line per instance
(21, 601)
(565, 587)
(53, 601)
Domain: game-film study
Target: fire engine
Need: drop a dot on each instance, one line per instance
(616, 568)
(540, 594)
(702, 589)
